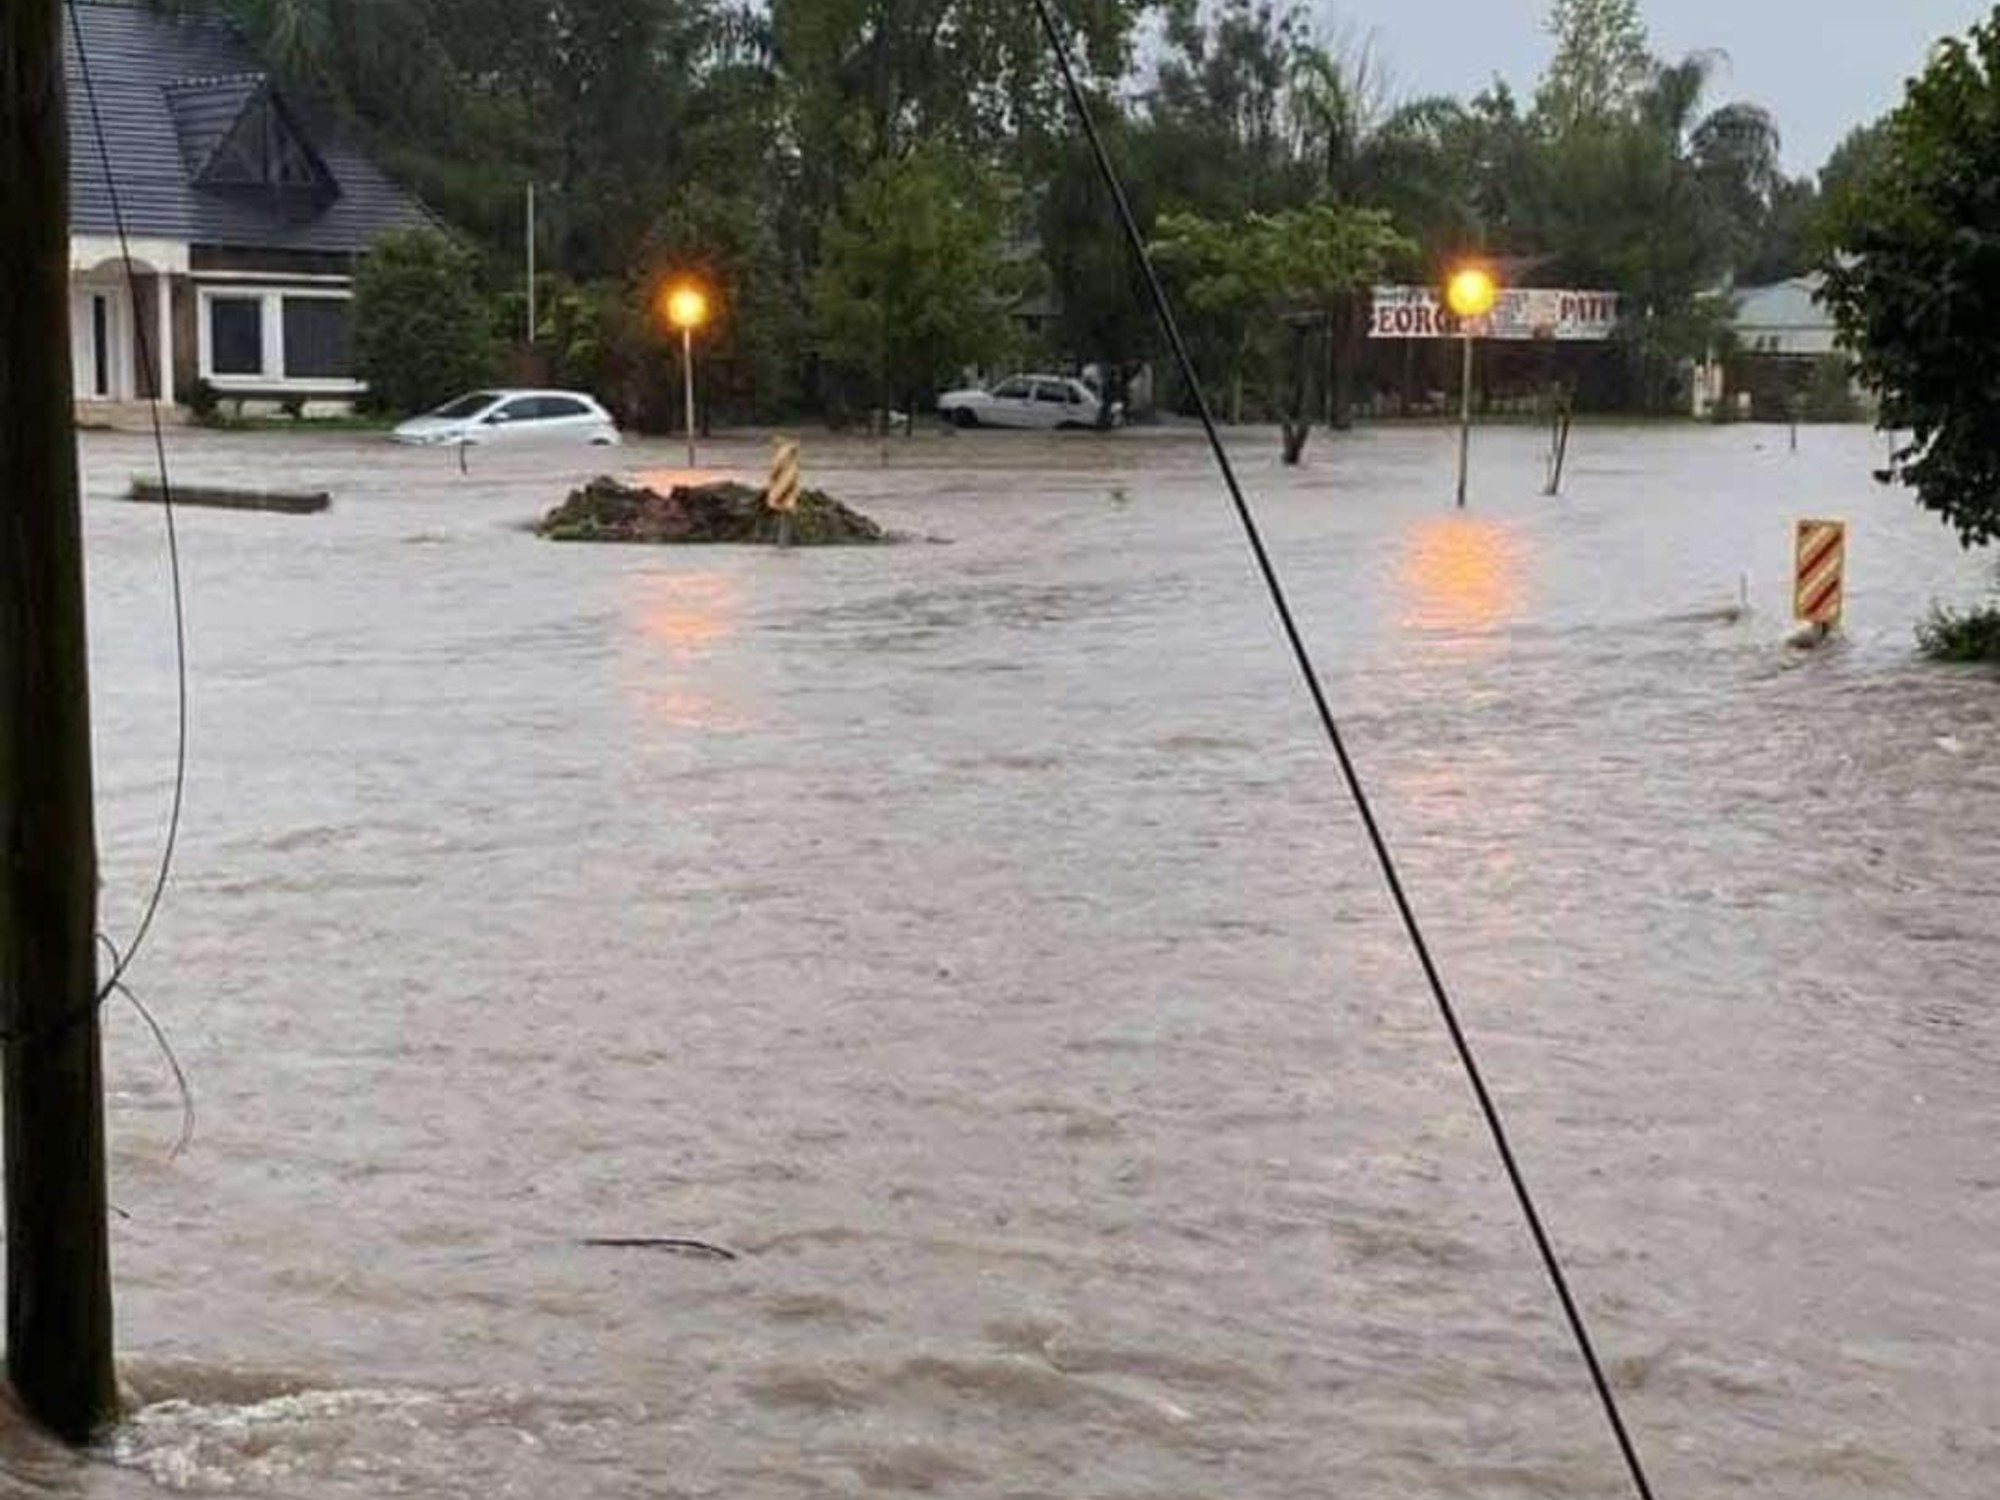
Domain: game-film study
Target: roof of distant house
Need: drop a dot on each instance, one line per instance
(1784, 304)
(203, 147)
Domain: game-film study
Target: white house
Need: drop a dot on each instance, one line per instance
(1785, 319)
(1780, 330)
(245, 214)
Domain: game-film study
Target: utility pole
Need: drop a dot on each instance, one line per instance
(58, 1253)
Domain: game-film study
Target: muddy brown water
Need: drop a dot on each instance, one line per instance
(973, 936)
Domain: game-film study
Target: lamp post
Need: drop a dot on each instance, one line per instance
(1471, 295)
(687, 310)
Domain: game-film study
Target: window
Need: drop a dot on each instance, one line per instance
(258, 338)
(317, 343)
(562, 406)
(467, 406)
(1012, 390)
(1051, 395)
(236, 333)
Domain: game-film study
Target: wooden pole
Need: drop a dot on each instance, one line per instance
(58, 1255)
(1465, 418)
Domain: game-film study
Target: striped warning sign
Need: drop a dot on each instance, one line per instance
(783, 494)
(1822, 574)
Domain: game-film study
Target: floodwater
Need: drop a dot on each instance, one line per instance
(973, 937)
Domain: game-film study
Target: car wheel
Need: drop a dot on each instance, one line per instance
(964, 418)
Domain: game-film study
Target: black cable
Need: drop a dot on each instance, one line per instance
(1163, 307)
(160, 1039)
(147, 356)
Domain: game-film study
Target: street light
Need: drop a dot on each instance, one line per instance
(687, 310)
(1471, 295)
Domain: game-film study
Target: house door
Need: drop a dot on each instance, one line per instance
(97, 334)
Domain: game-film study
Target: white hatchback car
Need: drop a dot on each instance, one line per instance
(1042, 401)
(513, 417)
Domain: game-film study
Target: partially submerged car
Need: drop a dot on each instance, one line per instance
(1038, 401)
(513, 417)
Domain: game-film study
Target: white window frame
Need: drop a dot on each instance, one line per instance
(273, 376)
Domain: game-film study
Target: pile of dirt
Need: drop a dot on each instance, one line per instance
(607, 511)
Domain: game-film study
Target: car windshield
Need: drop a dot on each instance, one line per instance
(467, 406)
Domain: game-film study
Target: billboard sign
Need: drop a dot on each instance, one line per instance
(1418, 312)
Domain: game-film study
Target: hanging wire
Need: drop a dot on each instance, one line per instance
(119, 986)
(148, 357)
(1163, 308)
(121, 961)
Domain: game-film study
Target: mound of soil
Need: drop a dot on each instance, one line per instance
(607, 511)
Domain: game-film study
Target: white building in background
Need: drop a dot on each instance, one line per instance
(244, 209)
(1785, 319)
(1779, 329)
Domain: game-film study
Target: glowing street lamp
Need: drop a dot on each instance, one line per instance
(687, 310)
(1471, 295)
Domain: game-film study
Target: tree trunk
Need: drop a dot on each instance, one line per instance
(1346, 356)
(1297, 424)
(58, 1255)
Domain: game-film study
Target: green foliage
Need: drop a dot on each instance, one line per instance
(1971, 635)
(1917, 287)
(1244, 276)
(913, 286)
(423, 332)
(1600, 66)
(1829, 393)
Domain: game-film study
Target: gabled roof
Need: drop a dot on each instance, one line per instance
(205, 110)
(204, 148)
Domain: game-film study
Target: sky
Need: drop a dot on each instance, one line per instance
(1821, 66)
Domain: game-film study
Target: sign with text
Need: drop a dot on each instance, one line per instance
(1418, 312)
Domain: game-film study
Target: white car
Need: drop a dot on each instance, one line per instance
(513, 417)
(1042, 401)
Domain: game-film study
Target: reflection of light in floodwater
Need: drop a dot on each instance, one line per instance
(680, 622)
(688, 613)
(688, 710)
(1460, 575)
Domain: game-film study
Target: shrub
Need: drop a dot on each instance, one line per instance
(1961, 635)
(1829, 392)
(423, 331)
(204, 402)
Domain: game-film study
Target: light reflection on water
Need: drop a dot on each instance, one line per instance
(687, 614)
(1461, 576)
(681, 621)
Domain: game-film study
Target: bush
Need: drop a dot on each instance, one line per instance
(1829, 392)
(1967, 635)
(204, 402)
(1912, 283)
(423, 331)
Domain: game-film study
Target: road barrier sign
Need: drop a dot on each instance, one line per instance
(783, 494)
(1821, 596)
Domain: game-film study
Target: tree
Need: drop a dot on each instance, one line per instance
(1302, 266)
(1102, 312)
(1916, 286)
(914, 286)
(1600, 66)
(423, 332)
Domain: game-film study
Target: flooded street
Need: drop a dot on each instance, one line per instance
(973, 936)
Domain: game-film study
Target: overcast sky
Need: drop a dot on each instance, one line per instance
(1821, 66)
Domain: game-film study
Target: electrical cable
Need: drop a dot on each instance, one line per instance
(147, 356)
(1170, 324)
